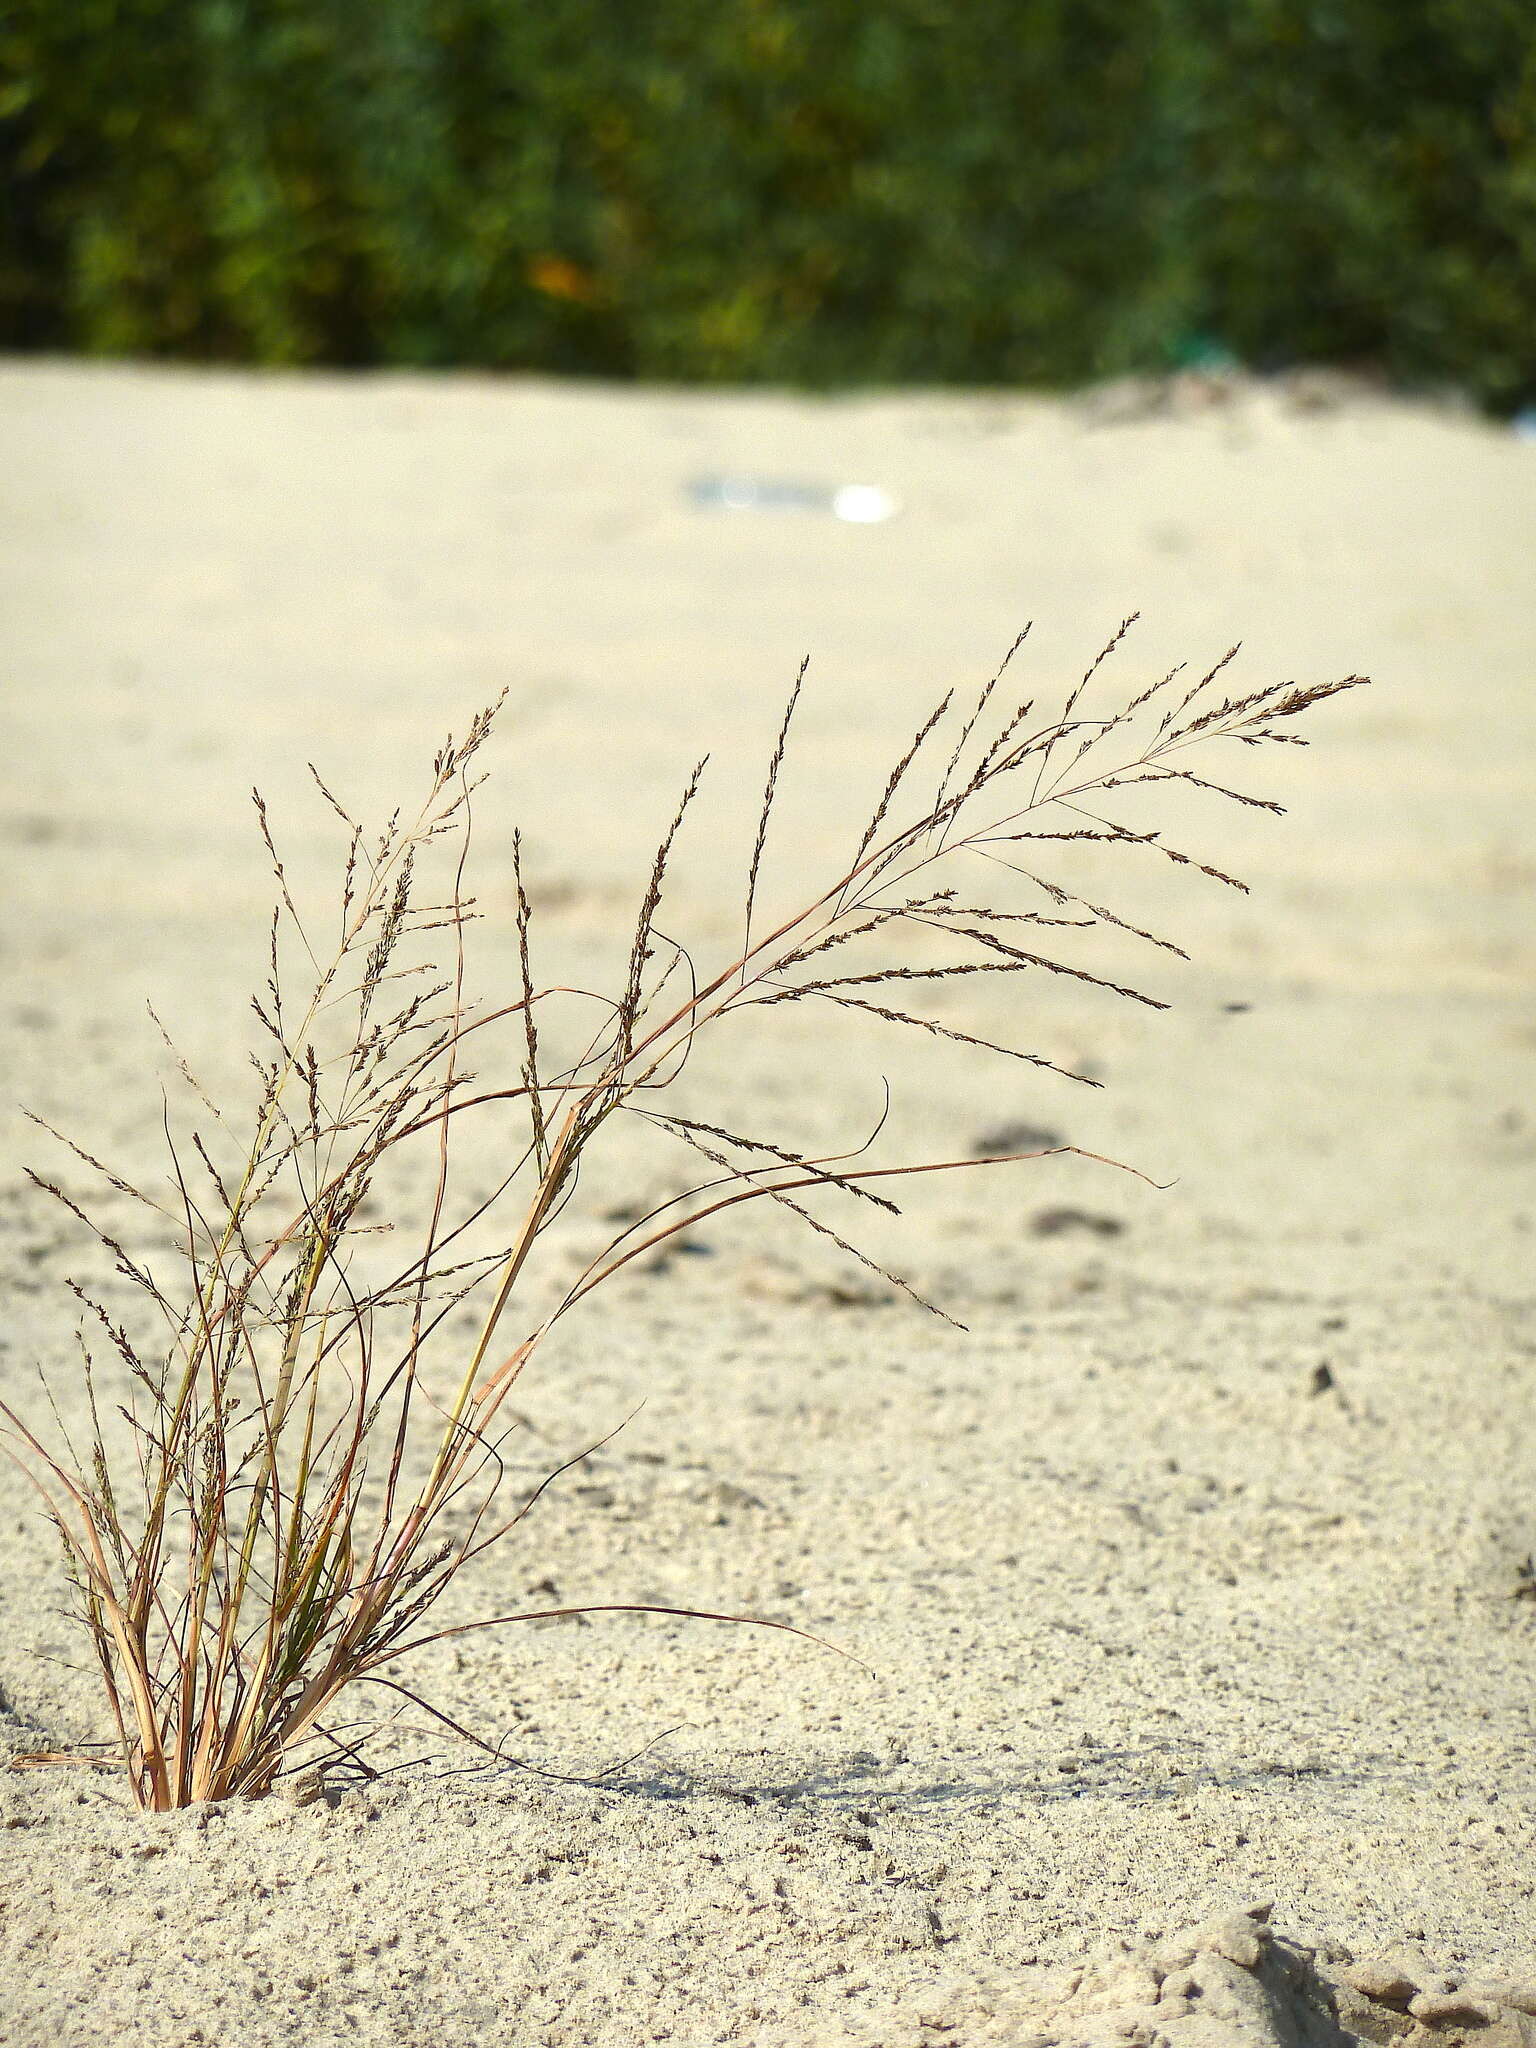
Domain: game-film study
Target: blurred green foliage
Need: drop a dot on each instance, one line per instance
(809, 191)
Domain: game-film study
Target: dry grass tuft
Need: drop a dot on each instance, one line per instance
(290, 1500)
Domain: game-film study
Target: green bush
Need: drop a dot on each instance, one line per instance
(812, 191)
(1370, 173)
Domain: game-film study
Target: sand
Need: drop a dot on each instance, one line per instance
(1193, 1577)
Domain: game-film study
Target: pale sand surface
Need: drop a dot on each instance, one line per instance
(1157, 1630)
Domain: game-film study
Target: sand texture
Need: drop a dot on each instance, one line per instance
(1193, 1579)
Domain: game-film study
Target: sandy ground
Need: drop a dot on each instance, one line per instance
(1164, 1621)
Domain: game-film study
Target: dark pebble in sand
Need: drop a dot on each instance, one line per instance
(1014, 1137)
(1058, 1222)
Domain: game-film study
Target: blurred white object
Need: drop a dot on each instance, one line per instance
(1523, 425)
(858, 504)
(863, 504)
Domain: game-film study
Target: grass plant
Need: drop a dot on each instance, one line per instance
(274, 1495)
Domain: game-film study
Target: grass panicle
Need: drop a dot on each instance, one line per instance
(283, 1483)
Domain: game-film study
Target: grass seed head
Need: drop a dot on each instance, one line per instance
(286, 1504)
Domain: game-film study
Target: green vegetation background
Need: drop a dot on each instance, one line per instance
(811, 191)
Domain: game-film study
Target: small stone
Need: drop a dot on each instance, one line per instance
(1014, 1137)
(1492, 1990)
(724, 1493)
(303, 1788)
(1057, 1222)
(1240, 1945)
(1452, 2008)
(1383, 1982)
(1237, 1939)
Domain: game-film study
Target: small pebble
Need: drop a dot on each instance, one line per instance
(1455, 2008)
(1238, 1939)
(1384, 1982)
(1014, 1137)
(303, 1788)
(1057, 1222)
(724, 1493)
